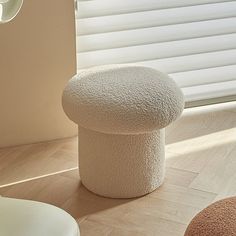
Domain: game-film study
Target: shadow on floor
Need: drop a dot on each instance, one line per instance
(63, 190)
(83, 202)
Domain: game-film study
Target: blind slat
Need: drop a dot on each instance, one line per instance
(193, 62)
(155, 34)
(156, 18)
(113, 7)
(157, 51)
(205, 76)
(209, 91)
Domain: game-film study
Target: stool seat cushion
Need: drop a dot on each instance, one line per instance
(217, 219)
(122, 99)
(30, 218)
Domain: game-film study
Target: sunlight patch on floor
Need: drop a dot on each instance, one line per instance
(202, 143)
(37, 177)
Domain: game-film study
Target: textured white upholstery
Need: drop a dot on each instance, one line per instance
(121, 111)
(29, 218)
(121, 166)
(122, 99)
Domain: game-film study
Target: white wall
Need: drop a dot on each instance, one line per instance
(37, 57)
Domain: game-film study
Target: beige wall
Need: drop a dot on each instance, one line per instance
(37, 57)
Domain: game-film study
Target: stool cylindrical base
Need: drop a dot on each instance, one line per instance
(121, 166)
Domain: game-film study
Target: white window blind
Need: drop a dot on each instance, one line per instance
(192, 40)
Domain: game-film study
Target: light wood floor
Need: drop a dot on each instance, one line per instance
(201, 168)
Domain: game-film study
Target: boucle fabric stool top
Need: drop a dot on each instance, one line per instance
(120, 111)
(122, 99)
(218, 219)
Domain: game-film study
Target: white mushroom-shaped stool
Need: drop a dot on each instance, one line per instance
(121, 111)
(29, 218)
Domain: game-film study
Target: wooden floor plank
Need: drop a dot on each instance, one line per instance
(217, 173)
